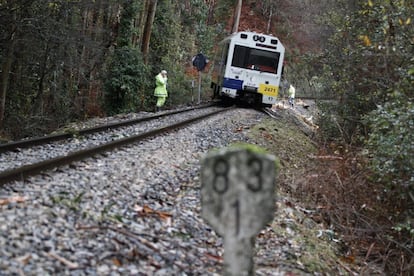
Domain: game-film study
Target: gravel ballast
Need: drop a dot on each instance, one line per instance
(133, 211)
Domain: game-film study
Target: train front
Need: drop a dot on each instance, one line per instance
(253, 68)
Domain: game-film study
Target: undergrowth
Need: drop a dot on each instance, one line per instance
(340, 189)
(334, 181)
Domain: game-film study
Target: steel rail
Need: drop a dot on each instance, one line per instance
(56, 137)
(270, 112)
(23, 172)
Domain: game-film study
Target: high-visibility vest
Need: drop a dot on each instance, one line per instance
(161, 86)
(292, 91)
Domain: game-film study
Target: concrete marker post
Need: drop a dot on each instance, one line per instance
(238, 200)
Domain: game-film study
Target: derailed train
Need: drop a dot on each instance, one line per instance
(249, 68)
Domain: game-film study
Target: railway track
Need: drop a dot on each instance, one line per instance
(129, 211)
(61, 136)
(116, 135)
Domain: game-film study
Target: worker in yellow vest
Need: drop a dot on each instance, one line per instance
(291, 94)
(161, 89)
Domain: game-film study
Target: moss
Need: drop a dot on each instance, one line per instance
(283, 139)
(250, 147)
(309, 252)
(253, 148)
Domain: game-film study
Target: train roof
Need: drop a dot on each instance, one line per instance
(249, 33)
(240, 36)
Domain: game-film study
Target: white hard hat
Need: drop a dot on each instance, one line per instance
(163, 72)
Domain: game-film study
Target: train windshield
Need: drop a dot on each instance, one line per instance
(255, 59)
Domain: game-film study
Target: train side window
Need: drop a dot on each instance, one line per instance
(225, 53)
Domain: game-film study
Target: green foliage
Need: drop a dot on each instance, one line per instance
(407, 227)
(304, 76)
(368, 56)
(391, 145)
(65, 53)
(369, 65)
(370, 59)
(126, 85)
(222, 12)
(65, 199)
(330, 128)
(38, 96)
(165, 48)
(167, 51)
(130, 9)
(182, 37)
(194, 21)
(179, 89)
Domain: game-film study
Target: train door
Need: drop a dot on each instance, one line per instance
(220, 68)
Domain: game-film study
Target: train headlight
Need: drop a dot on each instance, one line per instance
(259, 38)
(273, 41)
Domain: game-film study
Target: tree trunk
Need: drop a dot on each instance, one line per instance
(5, 71)
(96, 21)
(139, 26)
(152, 7)
(37, 103)
(211, 5)
(269, 21)
(237, 13)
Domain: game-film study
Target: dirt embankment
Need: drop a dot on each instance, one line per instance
(301, 232)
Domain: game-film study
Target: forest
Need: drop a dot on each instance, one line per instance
(68, 60)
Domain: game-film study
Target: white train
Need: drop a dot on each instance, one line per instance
(249, 68)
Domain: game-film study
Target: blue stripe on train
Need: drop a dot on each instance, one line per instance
(232, 83)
